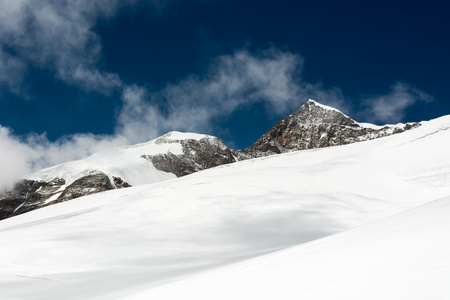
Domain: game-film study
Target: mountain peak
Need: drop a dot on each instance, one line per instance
(312, 103)
(315, 125)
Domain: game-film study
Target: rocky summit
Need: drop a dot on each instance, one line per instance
(316, 126)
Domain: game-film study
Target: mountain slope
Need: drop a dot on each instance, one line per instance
(123, 242)
(401, 257)
(171, 155)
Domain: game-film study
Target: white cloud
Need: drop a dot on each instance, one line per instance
(138, 120)
(272, 77)
(12, 159)
(55, 35)
(11, 70)
(391, 108)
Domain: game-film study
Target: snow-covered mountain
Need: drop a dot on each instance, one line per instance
(178, 154)
(171, 155)
(134, 163)
(227, 228)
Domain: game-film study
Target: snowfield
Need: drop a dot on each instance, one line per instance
(251, 230)
(401, 257)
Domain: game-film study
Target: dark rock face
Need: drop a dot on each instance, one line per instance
(95, 182)
(197, 155)
(119, 183)
(314, 126)
(28, 195)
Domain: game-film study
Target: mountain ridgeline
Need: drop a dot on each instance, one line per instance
(316, 126)
(177, 154)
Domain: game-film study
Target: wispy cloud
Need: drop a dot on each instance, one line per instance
(391, 108)
(11, 71)
(57, 36)
(271, 77)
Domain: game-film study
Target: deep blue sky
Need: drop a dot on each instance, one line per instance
(362, 48)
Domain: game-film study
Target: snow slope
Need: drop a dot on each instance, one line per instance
(130, 242)
(402, 257)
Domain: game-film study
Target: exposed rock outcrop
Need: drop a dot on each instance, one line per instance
(94, 182)
(28, 195)
(197, 155)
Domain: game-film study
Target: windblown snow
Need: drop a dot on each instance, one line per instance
(252, 230)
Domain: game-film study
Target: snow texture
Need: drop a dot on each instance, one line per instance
(401, 257)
